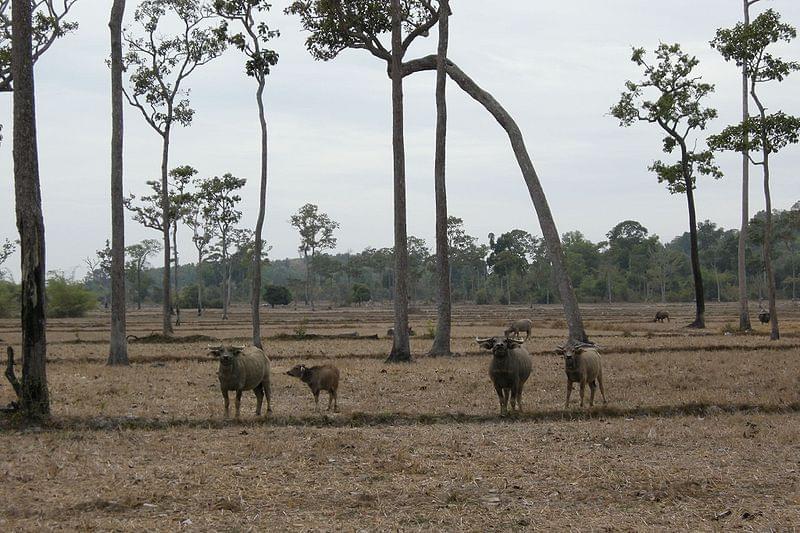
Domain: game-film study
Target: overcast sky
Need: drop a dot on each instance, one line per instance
(557, 67)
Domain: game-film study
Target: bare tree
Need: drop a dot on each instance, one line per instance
(118, 348)
(259, 62)
(35, 399)
(159, 66)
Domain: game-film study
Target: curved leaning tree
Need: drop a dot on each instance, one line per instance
(360, 24)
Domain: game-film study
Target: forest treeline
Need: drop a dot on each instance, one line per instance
(631, 265)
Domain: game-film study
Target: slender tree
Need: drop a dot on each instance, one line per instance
(676, 108)
(34, 399)
(118, 349)
(138, 254)
(159, 66)
(441, 340)
(748, 45)
(316, 233)
(221, 198)
(180, 202)
(260, 59)
(203, 232)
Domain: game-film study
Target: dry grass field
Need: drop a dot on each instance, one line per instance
(702, 430)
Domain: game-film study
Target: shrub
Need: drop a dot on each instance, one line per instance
(67, 298)
(361, 293)
(481, 297)
(277, 295)
(9, 299)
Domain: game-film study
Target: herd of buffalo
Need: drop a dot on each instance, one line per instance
(247, 368)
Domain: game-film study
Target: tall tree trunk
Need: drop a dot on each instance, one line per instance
(139, 288)
(118, 349)
(35, 401)
(441, 340)
(165, 221)
(572, 312)
(225, 278)
(768, 272)
(401, 349)
(199, 284)
(262, 206)
(744, 311)
(308, 276)
(175, 275)
(699, 297)
(773, 310)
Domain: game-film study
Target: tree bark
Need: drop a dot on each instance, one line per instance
(744, 311)
(165, 221)
(441, 340)
(773, 311)
(401, 349)
(199, 284)
(535, 190)
(35, 399)
(176, 293)
(118, 349)
(697, 275)
(262, 206)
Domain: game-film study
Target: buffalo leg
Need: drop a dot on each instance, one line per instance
(502, 398)
(227, 403)
(600, 383)
(316, 401)
(583, 387)
(238, 402)
(259, 391)
(592, 386)
(569, 392)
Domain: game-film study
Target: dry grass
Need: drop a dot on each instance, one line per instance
(701, 432)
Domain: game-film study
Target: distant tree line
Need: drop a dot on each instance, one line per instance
(631, 265)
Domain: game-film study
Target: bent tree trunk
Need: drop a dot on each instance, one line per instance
(535, 190)
(441, 341)
(118, 349)
(401, 350)
(34, 400)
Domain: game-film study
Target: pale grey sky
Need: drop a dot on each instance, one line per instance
(556, 66)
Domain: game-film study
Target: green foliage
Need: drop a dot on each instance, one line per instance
(256, 34)
(335, 26)
(482, 297)
(277, 295)
(670, 95)
(361, 293)
(67, 298)
(315, 228)
(9, 299)
(158, 64)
